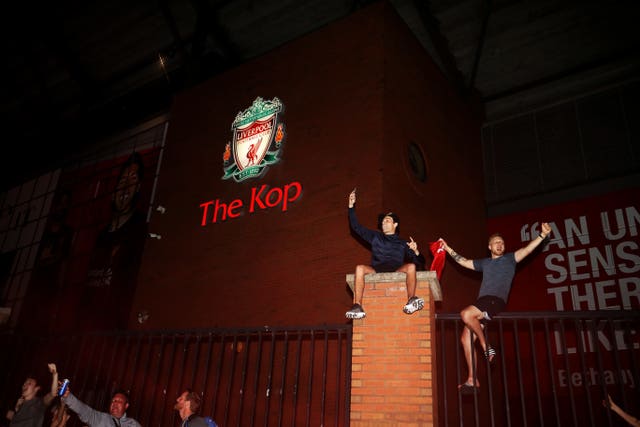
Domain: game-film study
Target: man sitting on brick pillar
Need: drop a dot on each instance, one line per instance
(388, 253)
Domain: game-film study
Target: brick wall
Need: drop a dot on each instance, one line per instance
(393, 360)
(355, 94)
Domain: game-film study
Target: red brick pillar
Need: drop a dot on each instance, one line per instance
(394, 356)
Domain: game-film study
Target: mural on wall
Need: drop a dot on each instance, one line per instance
(116, 254)
(72, 240)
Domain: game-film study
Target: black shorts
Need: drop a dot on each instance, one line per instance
(491, 305)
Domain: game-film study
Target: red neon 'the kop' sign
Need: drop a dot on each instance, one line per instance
(262, 197)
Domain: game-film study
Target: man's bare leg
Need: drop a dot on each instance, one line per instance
(413, 303)
(357, 311)
(410, 271)
(465, 340)
(358, 286)
(471, 316)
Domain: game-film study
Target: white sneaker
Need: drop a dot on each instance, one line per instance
(356, 312)
(414, 304)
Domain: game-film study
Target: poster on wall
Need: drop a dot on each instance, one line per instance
(590, 263)
(591, 260)
(108, 216)
(72, 240)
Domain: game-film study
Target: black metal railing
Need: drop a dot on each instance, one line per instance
(552, 369)
(298, 376)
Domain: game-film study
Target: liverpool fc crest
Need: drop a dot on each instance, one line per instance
(257, 138)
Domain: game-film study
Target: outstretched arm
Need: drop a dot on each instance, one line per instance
(466, 263)
(87, 414)
(522, 253)
(633, 421)
(48, 398)
(361, 231)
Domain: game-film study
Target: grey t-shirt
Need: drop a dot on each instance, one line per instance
(31, 414)
(497, 275)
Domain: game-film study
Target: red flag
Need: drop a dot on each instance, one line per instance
(439, 254)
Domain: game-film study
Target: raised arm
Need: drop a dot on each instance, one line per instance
(522, 253)
(87, 414)
(631, 420)
(48, 398)
(466, 263)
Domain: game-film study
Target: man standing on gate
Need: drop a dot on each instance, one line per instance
(388, 253)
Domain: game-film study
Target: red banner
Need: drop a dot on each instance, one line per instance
(592, 258)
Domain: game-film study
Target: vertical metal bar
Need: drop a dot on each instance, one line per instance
(269, 379)
(443, 369)
(336, 418)
(145, 373)
(552, 370)
(581, 352)
(196, 357)
(523, 405)
(123, 364)
(348, 367)
(489, 382)
(535, 372)
(256, 380)
(218, 373)
(296, 383)
(231, 376)
(283, 377)
(159, 356)
(134, 365)
(183, 361)
(505, 379)
(174, 344)
(323, 387)
(312, 351)
(566, 366)
(205, 374)
(474, 375)
(593, 330)
(616, 353)
(457, 347)
(243, 377)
